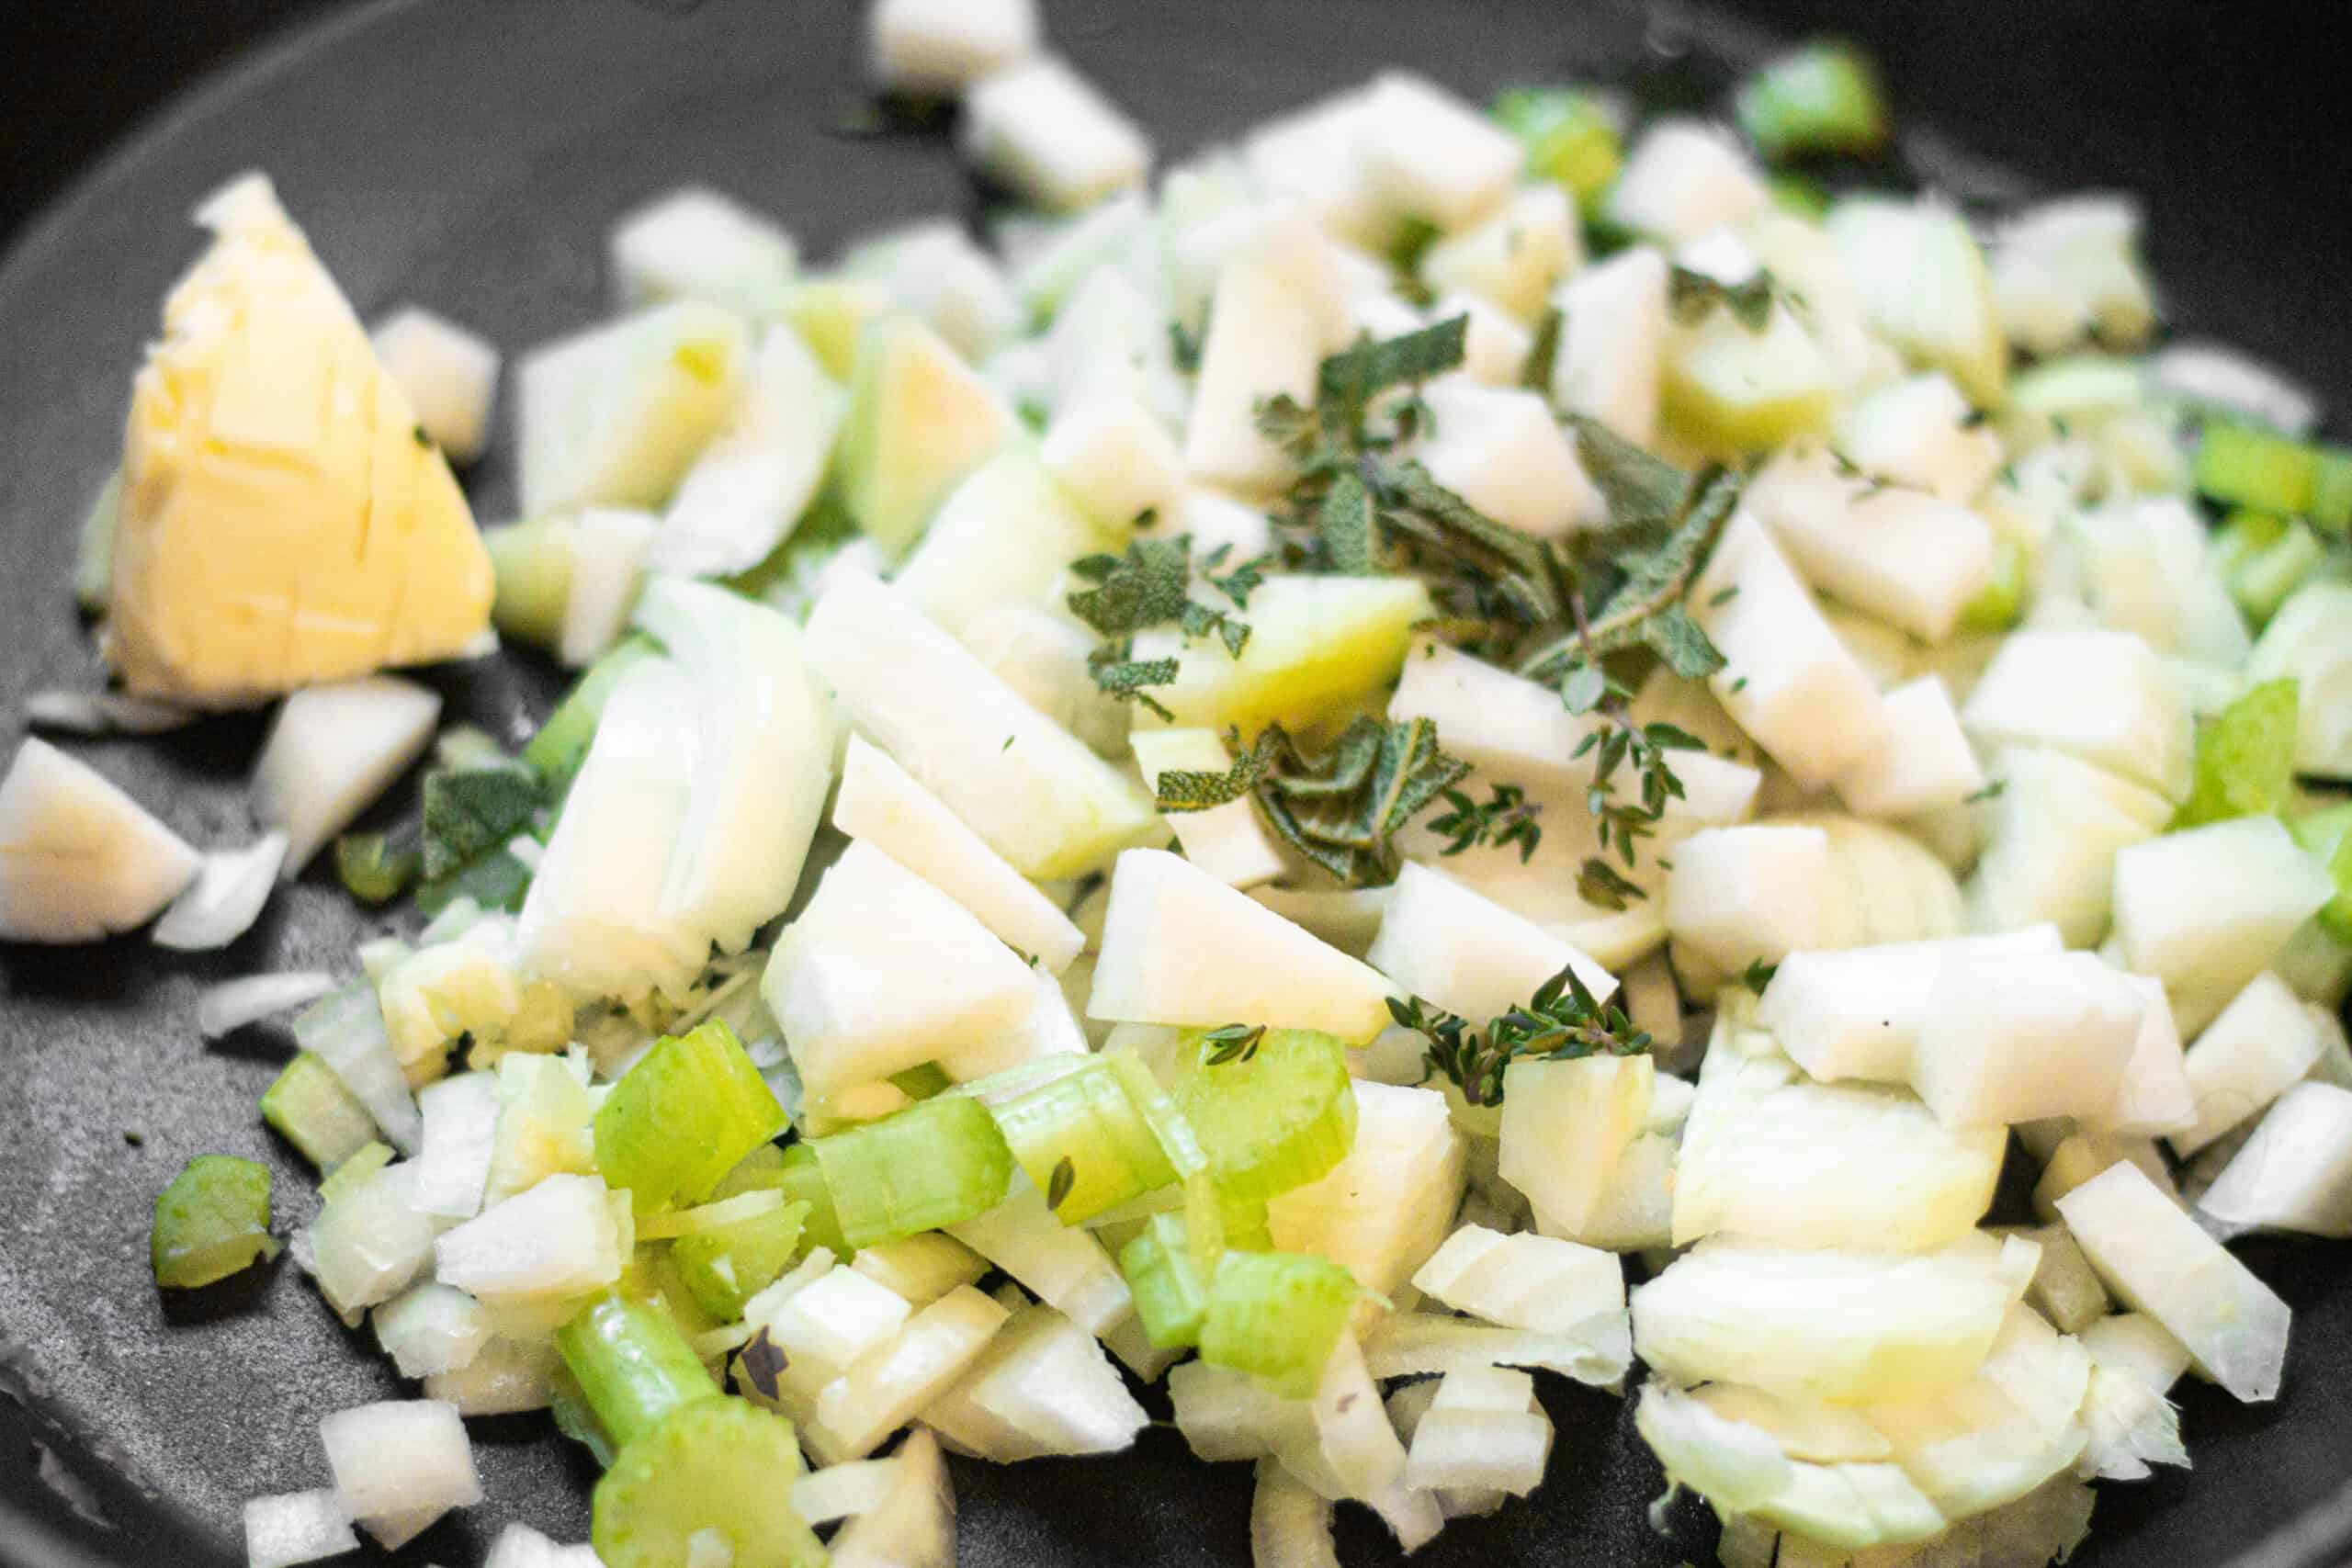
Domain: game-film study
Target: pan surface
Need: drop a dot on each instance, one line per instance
(470, 155)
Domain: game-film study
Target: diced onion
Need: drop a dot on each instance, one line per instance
(843, 1491)
(230, 1006)
(399, 1458)
(226, 897)
(296, 1527)
(105, 713)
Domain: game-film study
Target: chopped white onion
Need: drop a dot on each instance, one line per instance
(460, 1116)
(555, 1241)
(369, 1242)
(1599, 1352)
(345, 1030)
(1062, 1266)
(226, 897)
(1484, 1430)
(230, 1006)
(505, 1376)
(885, 1391)
(2208, 373)
(296, 1527)
(1290, 1526)
(843, 1491)
(430, 1329)
(399, 1458)
(333, 751)
(520, 1546)
(709, 1216)
(104, 713)
(914, 1527)
(1041, 1386)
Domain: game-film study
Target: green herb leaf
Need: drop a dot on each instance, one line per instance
(1757, 974)
(470, 811)
(1233, 1042)
(1123, 679)
(1543, 352)
(1990, 792)
(761, 1363)
(1562, 1022)
(1691, 295)
(1353, 377)
(1638, 486)
(1508, 818)
(1141, 589)
(1058, 1184)
(1343, 526)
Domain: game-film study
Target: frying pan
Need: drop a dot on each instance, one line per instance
(470, 155)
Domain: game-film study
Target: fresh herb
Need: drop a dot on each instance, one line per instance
(1184, 348)
(1341, 809)
(759, 1364)
(1543, 352)
(1562, 1022)
(1243, 580)
(1122, 678)
(1723, 596)
(1508, 818)
(471, 810)
(1757, 974)
(417, 433)
(1058, 1185)
(1233, 1042)
(1691, 295)
(1990, 792)
(1008, 744)
(1143, 588)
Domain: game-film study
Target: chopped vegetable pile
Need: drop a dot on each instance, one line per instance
(1442, 750)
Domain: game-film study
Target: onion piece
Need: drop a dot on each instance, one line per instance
(345, 1030)
(461, 1117)
(105, 713)
(230, 1006)
(520, 1546)
(2208, 373)
(226, 897)
(296, 1527)
(431, 1328)
(400, 1460)
(1599, 1353)
(843, 1491)
(1290, 1526)
(709, 1216)
(78, 857)
(333, 751)
(914, 1527)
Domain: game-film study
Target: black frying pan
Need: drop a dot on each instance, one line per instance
(469, 154)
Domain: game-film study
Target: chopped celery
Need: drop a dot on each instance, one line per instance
(212, 1221)
(632, 1365)
(374, 868)
(1083, 1141)
(2332, 490)
(1799, 196)
(802, 1180)
(313, 1111)
(2245, 465)
(679, 1120)
(2245, 758)
(568, 1405)
(1821, 99)
(2262, 558)
(2326, 836)
(722, 1466)
(351, 1173)
(561, 744)
(1170, 1293)
(934, 1164)
(755, 1172)
(726, 1265)
(1272, 1115)
(1276, 1315)
(2001, 601)
(530, 564)
(1570, 138)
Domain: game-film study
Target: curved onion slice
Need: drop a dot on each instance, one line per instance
(226, 897)
(230, 1006)
(78, 857)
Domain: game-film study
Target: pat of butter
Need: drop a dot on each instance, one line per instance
(283, 520)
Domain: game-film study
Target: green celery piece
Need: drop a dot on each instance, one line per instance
(1276, 1315)
(2245, 758)
(2001, 601)
(351, 1173)
(723, 1465)
(1082, 1140)
(2263, 559)
(2332, 490)
(682, 1118)
(932, 1165)
(496, 881)
(1275, 1115)
(755, 1172)
(568, 1403)
(211, 1222)
(1823, 97)
(2326, 836)
(373, 868)
(530, 563)
(726, 1266)
(1799, 196)
(802, 1180)
(1170, 1295)
(1570, 140)
(2245, 465)
(633, 1366)
(312, 1109)
(561, 744)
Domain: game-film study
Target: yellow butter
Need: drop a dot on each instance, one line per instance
(282, 521)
